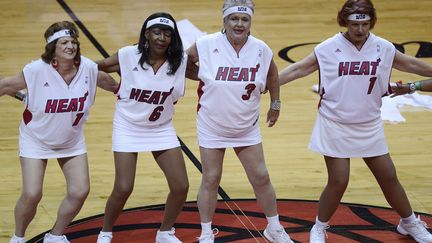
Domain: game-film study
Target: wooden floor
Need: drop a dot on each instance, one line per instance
(296, 172)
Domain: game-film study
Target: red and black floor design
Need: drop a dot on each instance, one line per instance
(242, 221)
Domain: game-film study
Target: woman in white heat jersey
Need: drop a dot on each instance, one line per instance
(153, 75)
(61, 87)
(234, 69)
(355, 68)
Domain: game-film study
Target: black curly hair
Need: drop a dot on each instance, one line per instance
(175, 53)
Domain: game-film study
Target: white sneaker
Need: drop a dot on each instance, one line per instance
(104, 237)
(16, 239)
(318, 234)
(417, 230)
(49, 238)
(208, 238)
(277, 236)
(167, 236)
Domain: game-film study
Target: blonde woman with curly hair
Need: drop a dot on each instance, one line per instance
(238, 67)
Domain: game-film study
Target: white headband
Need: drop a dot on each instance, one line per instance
(359, 17)
(57, 35)
(238, 9)
(160, 20)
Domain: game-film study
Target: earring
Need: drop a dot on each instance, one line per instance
(146, 45)
(77, 62)
(54, 63)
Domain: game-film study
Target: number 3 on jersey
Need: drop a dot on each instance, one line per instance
(249, 88)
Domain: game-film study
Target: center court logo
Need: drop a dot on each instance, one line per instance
(242, 220)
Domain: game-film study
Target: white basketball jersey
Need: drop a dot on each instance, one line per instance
(55, 112)
(146, 99)
(353, 81)
(231, 83)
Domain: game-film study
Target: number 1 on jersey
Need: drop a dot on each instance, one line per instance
(371, 84)
(78, 118)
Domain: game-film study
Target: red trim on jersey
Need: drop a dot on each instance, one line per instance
(117, 90)
(321, 97)
(390, 91)
(200, 92)
(27, 116)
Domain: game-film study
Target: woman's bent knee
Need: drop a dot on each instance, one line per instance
(261, 180)
(339, 184)
(211, 182)
(31, 198)
(180, 189)
(79, 193)
(122, 191)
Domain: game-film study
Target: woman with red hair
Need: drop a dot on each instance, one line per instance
(355, 68)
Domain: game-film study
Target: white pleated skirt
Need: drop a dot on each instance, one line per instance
(208, 138)
(129, 138)
(30, 147)
(342, 140)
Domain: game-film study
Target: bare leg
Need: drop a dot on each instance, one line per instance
(212, 160)
(338, 170)
(173, 166)
(75, 170)
(252, 159)
(385, 173)
(33, 171)
(125, 167)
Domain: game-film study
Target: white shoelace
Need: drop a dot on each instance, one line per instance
(280, 233)
(215, 231)
(422, 222)
(323, 230)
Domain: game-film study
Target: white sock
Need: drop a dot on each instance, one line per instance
(409, 219)
(105, 233)
(206, 228)
(273, 222)
(14, 237)
(165, 231)
(320, 224)
(58, 237)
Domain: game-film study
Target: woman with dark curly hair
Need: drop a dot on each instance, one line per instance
(153, 75)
